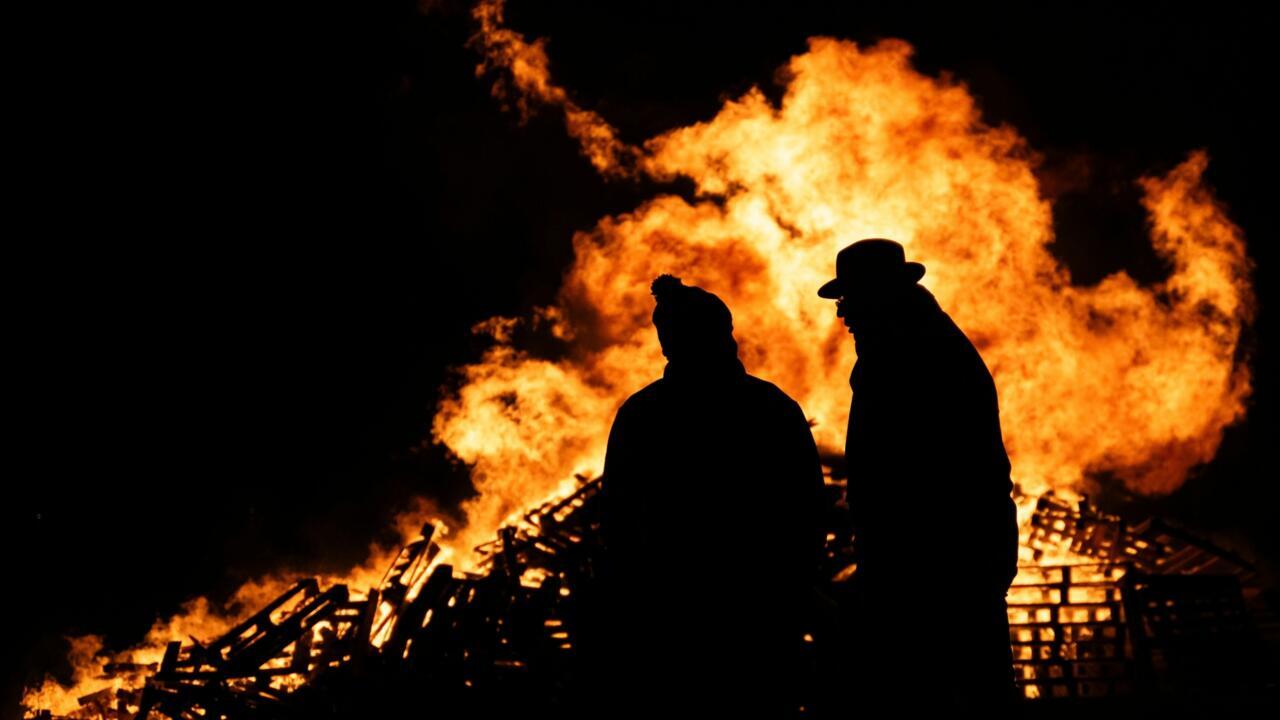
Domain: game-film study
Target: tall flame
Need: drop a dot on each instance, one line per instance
(1138, 382)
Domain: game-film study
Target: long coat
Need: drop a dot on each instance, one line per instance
(929, 489)
(712, 488)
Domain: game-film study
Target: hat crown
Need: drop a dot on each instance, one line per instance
(691, 322)
(871, 261)
(870, 255)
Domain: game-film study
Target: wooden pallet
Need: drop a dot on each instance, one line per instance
(1067, 631)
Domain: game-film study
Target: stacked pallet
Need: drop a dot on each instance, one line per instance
(1152, 611)
(1067, 628)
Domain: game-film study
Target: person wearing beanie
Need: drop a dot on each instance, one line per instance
(712, 499)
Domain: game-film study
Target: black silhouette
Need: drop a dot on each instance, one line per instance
(929, 489)
(712, 495)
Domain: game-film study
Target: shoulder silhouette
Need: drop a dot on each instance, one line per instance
(928, 486)
(712, 490)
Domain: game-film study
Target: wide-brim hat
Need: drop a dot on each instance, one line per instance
(872, 261)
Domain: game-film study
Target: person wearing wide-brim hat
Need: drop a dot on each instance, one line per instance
(927, 471)
(874, 262)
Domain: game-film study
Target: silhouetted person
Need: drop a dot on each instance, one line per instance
(929, 489)
(712, 489)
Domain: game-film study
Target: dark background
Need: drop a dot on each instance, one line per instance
(246, 249)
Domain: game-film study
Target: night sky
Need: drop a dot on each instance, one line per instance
(250, 248)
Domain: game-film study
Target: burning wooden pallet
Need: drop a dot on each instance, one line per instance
(288, 643)
(1067, 629)
(1082, 631)
(511, 637)
(1150, 546)
(1157, 602)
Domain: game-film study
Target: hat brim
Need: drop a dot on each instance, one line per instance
(835, 288)
(831, 290)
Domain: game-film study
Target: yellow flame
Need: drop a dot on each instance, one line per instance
(203, 619)
(1136, 381)
(1116, 377)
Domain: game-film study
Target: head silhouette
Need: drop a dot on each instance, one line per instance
(694, 326)
(874, 307)
(874, 285)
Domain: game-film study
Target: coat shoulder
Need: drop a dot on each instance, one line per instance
(772, 393)
(645, 397)
(953, 342)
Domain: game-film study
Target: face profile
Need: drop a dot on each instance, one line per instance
(872, 281)
(867, 307)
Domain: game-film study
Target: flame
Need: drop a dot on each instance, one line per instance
(528, 81)
(204, 619)
(1138, 382)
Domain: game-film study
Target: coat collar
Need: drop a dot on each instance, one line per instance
(703, 370)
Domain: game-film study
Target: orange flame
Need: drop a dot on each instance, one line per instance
(1136, 381)
(529, 81)
(203, 619)
(1139, 382)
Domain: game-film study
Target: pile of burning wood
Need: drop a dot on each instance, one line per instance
(1153, 611)
(1158, 611)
